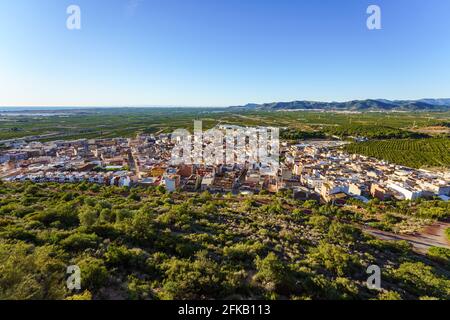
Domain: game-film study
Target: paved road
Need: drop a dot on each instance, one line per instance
(431, 236)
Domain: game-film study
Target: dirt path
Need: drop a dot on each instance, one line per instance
(431, 236)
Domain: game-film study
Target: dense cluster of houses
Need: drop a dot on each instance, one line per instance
(312, 170)
(335, 175)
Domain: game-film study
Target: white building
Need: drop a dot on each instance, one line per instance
(407, 192)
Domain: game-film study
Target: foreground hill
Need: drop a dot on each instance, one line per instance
(355, 105)
(146, 244)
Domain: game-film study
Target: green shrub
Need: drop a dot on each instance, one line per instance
(31, 273)
(422, 280)
(94, 274)
(192, 280)
(333, 258)
(272, 273)
(80, 241)
(440, 254)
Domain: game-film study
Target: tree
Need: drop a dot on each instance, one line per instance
(64, 215)
(88, 216)
(140, 228)
(272, 273)
(31, 273)
(342, 233)
(333, 258)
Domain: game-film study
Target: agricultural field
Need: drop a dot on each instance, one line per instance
(408, 152)
(126, 122)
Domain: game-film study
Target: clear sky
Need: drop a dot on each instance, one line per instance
(221, 52)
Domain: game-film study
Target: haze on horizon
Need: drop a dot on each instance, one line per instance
(221, 53)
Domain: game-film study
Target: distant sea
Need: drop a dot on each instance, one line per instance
(40, 108)
(44, 108)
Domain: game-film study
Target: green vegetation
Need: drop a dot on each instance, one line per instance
(147, 244)
(373, 132)
(126, 122)
(293, 134)
(440, 254)
(407, 152)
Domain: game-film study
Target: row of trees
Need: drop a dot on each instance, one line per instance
(411, 153)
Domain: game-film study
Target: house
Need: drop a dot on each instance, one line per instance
(379, 192)
(354, 189)
(192, 184)
(329, 189)
(207, 183)
(302, 193)
(406, 191)
(172, 182)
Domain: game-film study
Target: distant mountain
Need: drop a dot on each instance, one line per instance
(437, 102)
(355, 105)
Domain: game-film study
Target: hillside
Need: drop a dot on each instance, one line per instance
(355, 105)
(145, 244)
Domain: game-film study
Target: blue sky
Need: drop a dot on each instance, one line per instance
(221, 52)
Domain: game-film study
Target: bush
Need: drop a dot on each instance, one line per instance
(65, 215)
(192, 280)
(243, 252)
(86, 295)
(319, 222)
(88, 216)
(342, 233)
(93, 273)
(139, 289)
(80, 241)
(389, 295)
(121, 256)
(440, 254)
(30, 273)
(422, 280)
(333, 258)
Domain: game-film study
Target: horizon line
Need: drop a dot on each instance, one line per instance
(208, 106)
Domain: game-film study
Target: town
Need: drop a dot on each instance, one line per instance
(312, 170)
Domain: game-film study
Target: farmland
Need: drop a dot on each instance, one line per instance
(408, 152)
(126, 122)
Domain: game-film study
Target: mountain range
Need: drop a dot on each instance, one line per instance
(355, 105)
